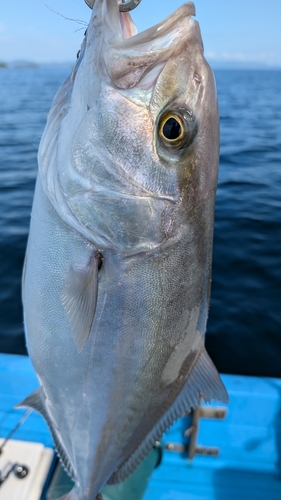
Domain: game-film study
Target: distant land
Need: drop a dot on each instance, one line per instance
(31, 64)
(216, 65)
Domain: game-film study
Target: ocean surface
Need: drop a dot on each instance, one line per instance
(244, 328)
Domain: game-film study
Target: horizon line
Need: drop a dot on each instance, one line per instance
(212, 62)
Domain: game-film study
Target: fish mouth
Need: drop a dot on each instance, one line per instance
(129, 55)
(122, 26)
(177, 24)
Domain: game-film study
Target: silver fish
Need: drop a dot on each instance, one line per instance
(118, 266)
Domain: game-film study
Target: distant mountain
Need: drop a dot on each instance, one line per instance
(22, 64)
(30, 64)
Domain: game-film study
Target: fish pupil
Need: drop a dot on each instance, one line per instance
(172, 129)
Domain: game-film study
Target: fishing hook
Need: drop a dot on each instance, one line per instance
(130, 5)
(123, 7)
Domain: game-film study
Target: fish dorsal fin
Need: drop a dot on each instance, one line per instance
(36, 401)
(90, 3)
(203, 382)
(79, 299)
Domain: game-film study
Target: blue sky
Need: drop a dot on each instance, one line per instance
(239, 31)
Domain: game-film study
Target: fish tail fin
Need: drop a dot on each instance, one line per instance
(72, 495)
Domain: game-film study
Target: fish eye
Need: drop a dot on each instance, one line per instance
(176, 129)
(171, 128)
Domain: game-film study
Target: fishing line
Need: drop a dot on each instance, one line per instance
(19, 470)
(78, 21)
(14, 430)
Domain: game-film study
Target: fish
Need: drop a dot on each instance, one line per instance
(117, 275)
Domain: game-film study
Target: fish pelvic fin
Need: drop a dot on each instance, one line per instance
(204, 383)
(79, 299)
(36, 401)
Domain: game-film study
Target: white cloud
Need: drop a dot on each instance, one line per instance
(270, 57)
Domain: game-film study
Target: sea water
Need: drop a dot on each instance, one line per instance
(244, 327)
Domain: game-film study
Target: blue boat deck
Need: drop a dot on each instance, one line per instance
(248, 465)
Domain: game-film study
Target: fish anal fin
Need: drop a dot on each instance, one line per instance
(79, 299)
(36, 401)
(203, 382)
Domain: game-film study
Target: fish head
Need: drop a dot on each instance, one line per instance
(141, 115)
(146, 80)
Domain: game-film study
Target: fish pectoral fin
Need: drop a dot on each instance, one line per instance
(79, 299)
(203, 382)
(36, 401)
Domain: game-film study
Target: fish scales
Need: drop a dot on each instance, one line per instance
(117, 275)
